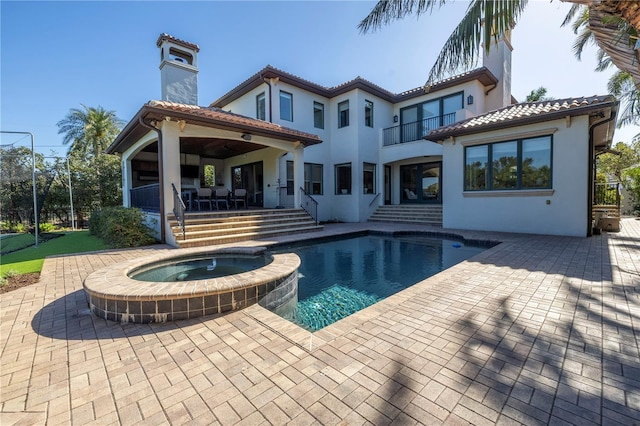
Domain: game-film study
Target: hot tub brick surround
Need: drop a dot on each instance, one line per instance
(116, 297)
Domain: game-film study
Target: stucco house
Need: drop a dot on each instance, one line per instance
(464, 148)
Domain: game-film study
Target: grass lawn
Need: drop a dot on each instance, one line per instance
(9, 243)
(31, 259)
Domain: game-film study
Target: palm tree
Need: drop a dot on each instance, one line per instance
(485, 21)
(539, 94)
(89, 130)
(623, 87)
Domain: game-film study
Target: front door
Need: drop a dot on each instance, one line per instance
(421, 183)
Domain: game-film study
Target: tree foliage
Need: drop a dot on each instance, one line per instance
(89, 130)
(539, 94)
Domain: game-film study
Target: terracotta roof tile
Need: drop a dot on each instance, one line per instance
(165, 36)
(517, 114)
(217, 115)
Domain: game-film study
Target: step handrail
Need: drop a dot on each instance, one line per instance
(374, 198)
(305, 201)
(178, 211)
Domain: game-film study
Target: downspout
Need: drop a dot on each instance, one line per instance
(266, 80)
(160, 175)
(592, 172)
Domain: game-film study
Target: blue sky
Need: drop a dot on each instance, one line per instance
(57, 55)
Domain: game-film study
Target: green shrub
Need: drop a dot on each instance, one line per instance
(120, 227)
(46, 227)
(17, 227)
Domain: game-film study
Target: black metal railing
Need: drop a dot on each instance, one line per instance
(374, 199)
(146, 197)
(309, 204)
(607, 194)
(179, 209)
(409, 132)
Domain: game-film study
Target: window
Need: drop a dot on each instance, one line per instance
(260, 107)
(290, 182)
(318, 115)
(368, 113)
(418, 120)
(343, 114)
(517, 164)
(286, 106)
(313, 178)
(343, 178)
(207, 175)
(369, 178)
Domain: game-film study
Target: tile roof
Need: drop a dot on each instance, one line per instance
(522, 113)
(216, 115)
(206, 117)
(482, 74)
(165, 36)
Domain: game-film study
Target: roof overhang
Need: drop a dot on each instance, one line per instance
(155, 112)
(597, 112)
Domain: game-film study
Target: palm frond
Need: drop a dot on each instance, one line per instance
(486, 21)
(387, 11)
(575, 9)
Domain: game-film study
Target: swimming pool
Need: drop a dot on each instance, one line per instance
(337, 278)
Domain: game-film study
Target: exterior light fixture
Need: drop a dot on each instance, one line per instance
(395, 118)
(246, 136)
(470, 100)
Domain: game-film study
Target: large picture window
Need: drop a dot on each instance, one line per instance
(343, 178)
(313, 178)
(517, 164)
(286, 106)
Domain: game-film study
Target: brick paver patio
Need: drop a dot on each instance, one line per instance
(536, 330)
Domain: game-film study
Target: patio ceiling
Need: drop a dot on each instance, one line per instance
(217, 148)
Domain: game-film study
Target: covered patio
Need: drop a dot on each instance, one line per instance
(175, 157)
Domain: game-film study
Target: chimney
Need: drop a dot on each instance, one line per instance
(178, 70)
(498, 61)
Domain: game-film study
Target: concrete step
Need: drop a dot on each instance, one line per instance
(220, 227)
(205, 241)
(409, 213)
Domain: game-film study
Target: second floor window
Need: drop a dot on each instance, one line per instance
(260, 107)
(286, 106)
(343, 114)
(368, 113)
(318, 115)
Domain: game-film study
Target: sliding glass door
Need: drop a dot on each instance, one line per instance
(249, 177)
(421, 183)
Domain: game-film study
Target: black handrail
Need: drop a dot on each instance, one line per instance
(410, 132)
(305, 201)
(146, 197)
(607, 194)
(374, 199)
(178, 210)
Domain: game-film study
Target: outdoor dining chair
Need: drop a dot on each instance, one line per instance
(204, 198)
(221, 198)
(240, 196)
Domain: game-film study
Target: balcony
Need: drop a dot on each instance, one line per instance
(410, 132)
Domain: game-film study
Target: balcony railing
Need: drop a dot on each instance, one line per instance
(146, 197)
(409, 132)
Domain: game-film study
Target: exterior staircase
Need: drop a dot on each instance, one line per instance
(221, 227)
(422, 214)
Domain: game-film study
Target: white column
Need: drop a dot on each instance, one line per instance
(170, 168)
(298, 173)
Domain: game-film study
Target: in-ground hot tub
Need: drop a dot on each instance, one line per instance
(190, 284)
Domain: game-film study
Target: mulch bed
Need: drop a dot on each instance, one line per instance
(19, 281)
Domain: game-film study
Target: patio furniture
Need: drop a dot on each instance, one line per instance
(204, 198)
(239, 195)
(221, 197)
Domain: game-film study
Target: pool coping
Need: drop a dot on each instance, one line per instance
(114, 296)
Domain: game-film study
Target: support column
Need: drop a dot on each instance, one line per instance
(298, 173)
(170, 169)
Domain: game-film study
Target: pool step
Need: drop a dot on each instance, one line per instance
(222, 227)
(409, 213)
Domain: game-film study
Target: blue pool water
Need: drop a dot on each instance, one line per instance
(340, 277)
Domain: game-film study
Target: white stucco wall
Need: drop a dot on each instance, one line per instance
(560, 211)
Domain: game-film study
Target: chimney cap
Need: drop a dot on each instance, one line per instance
(166, 37)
